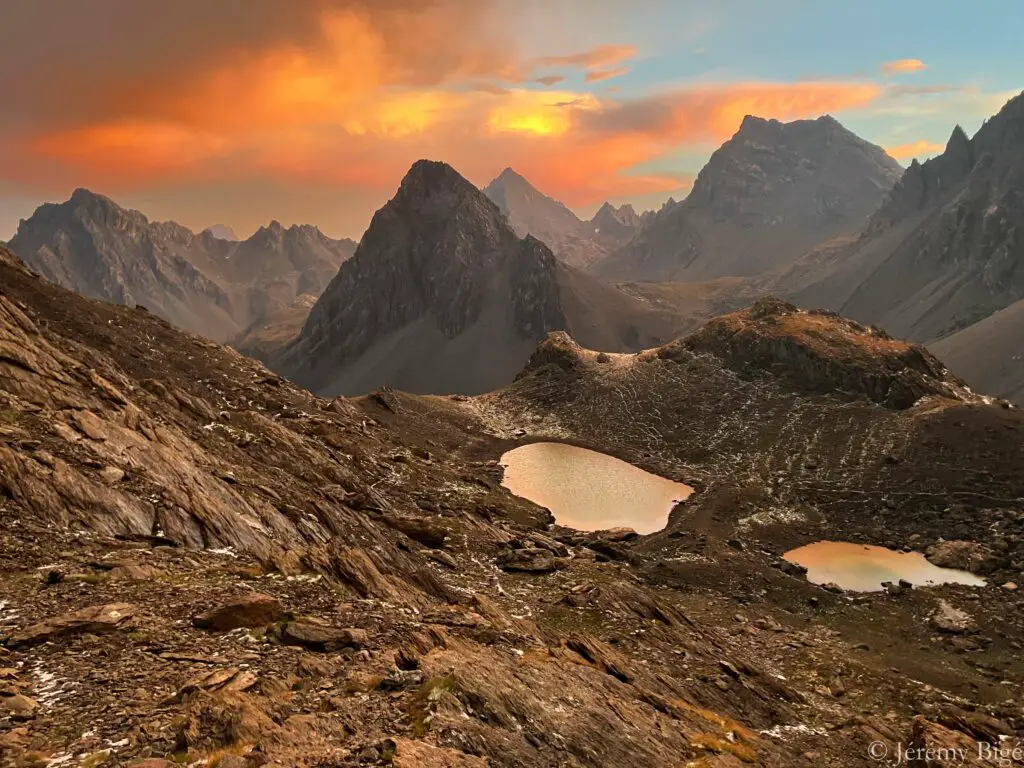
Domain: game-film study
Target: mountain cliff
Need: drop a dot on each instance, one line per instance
(770, 193)
(947, 248)
(202, 283)
(442, 296)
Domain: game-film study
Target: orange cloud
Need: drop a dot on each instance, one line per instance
(576, 146)
(902, 66)
(714, 112)
(597, 75)
(914, 149)
(599, 56)
(346, 94)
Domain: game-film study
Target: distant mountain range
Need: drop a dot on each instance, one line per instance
(442, 295)
(203, 283)
(451, 287)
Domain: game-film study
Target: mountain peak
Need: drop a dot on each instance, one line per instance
(510, 174)
(957, 138)
(510, 180)
(82, 196)
(429, 177)
(794, 184)
(221, 232)
(753, 122)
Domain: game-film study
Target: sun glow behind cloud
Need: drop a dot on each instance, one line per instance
(346, 94)
(915, 149)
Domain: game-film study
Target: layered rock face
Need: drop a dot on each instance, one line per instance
(766, 196)
(442, 296)
(203, 283)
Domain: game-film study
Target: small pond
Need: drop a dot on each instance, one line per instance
(590, 491)
(863, 568)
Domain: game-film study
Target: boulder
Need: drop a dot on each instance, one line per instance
(531, 560)
(17, 706)
(318, 637)
(254, 610)
(417, 754)
(951, 620)
(618, 534)
(96, 619)
(962, 555)
(426, 532)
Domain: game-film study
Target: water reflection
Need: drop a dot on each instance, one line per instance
(591, 491)
(863, 568)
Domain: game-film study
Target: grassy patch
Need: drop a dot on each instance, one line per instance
(420, 708)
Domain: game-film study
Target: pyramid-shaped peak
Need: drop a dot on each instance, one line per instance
(510, 179)
(957, 138)
(428, 177)
(511, 173)
(221, 232)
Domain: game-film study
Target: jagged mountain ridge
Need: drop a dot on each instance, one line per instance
(947, 248)
(576, 242)
(442, 296)
(766, 196)
(202, 283)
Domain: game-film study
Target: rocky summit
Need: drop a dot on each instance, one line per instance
(209, 283)
(576, 242)
(442, 296)
(205, 564)
(770, 193)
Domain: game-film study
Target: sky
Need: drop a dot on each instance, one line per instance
(310, 111)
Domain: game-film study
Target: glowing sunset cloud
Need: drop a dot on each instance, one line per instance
(903, 66)
(915, 149)
(332, 100)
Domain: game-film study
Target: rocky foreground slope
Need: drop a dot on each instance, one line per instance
(203, 564)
